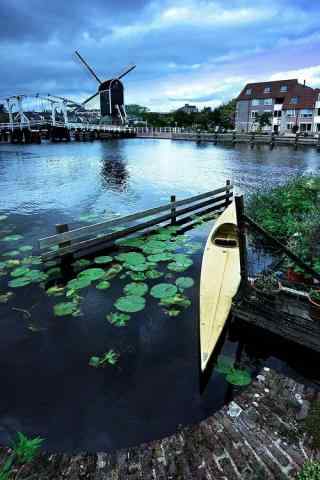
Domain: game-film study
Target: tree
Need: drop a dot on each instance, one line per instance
(136, 110)
(264, 119)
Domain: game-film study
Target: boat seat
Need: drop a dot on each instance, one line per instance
(226, 236)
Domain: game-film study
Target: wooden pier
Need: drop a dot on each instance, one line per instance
(287, 316)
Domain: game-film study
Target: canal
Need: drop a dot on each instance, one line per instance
(48, 387)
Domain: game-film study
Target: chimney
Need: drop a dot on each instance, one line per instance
(304, 83)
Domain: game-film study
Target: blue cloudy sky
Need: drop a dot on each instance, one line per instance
(195, 51)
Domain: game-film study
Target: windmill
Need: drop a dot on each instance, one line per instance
(111, 93)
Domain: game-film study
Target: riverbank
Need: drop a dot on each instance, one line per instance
(265, 441)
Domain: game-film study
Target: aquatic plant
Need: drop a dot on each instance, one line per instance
(20, 272)
(136, 288)
(91, 274)
(131, 258)
(153, 274)
(184, 282)
(103, 259)
(26, 248)
(3, 217)
(12, 253)
(160, 257)
(79, 283)
(113, 271)
(130, 303)
(152, 247)
(5, 297)
(110, 357)
(131, 242)
(12, 238)
(118, 319)
(238, 377)
(12, 263)
(55, 291)
(234, 376)
(163, 290)
(81, 263)
(138, 276)
(65, 308)
(103, 285)
(26, 449)
(178, 300)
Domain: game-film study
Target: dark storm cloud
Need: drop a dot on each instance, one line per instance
(184, 49)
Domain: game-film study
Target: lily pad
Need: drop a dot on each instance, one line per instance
(113, 271)
(5, 297)
(118, 319)
(140, 267)
(103, 285)
(239, 377)
(152, 247)
(136, 288)
(12, 238)
(153, 274)
(2, 265)
(110, 357)
(131, 258)
(79, 283)
(55, 291)
(54, 272)
(64, 309)
(103, 259)
(36, 276)
(160, 257)
(12, 253)
(19, 282)
(224, 365)
(173, 312)
(179, 300)
(26, 248)
(138, 276)
(130, 303)
(3, 217)
(184, 282)
(20, 272)
(179, 267)
(81, 263)
(12, 263)
(92, 274)
(131, 242)
(163, 290)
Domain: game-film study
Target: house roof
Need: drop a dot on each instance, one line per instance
(307, 95)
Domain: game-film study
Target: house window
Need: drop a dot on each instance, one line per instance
(289, 126)
(267, 90)
(318, 127)
(284, 88)
(318, 111)
(254, 114)
(290, 113)
(294, 100)
(248, 91)
(306, 112)
(267, 101)
(255, 102)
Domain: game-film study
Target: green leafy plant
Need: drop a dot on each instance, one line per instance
(26, 449)
(110, 357)
(315, 295)
(266, 282)
(233, 375)
(163, 290)
(312, 424)
(130, 303)
(309, 471)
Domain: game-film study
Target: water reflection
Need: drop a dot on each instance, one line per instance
(114, 172)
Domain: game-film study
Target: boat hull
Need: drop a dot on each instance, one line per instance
(220, 279)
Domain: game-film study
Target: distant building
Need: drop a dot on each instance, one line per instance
(188, 109)
(293, 107)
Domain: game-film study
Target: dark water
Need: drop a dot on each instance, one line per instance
(47, 387)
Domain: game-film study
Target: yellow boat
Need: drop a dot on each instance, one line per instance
(220, 279)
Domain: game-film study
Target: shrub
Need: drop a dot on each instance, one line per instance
(310, 471)
(312, 424)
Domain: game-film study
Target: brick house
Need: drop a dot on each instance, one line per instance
(293, 107)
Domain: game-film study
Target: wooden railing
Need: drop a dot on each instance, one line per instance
(99, 235)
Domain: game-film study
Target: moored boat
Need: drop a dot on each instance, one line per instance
(220, 280)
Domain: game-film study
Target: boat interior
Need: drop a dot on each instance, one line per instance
(226, 236)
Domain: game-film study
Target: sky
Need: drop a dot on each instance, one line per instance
(192, 51)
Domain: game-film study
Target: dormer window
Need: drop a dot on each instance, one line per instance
(284, 88)
(248, 91)
(294, 100)
(267, 90)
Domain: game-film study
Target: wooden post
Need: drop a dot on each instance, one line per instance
(228, 183)
(296, 141)
(234, 138)
(242, 240)
(61, 228)
(252, 140)
(173, 209)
